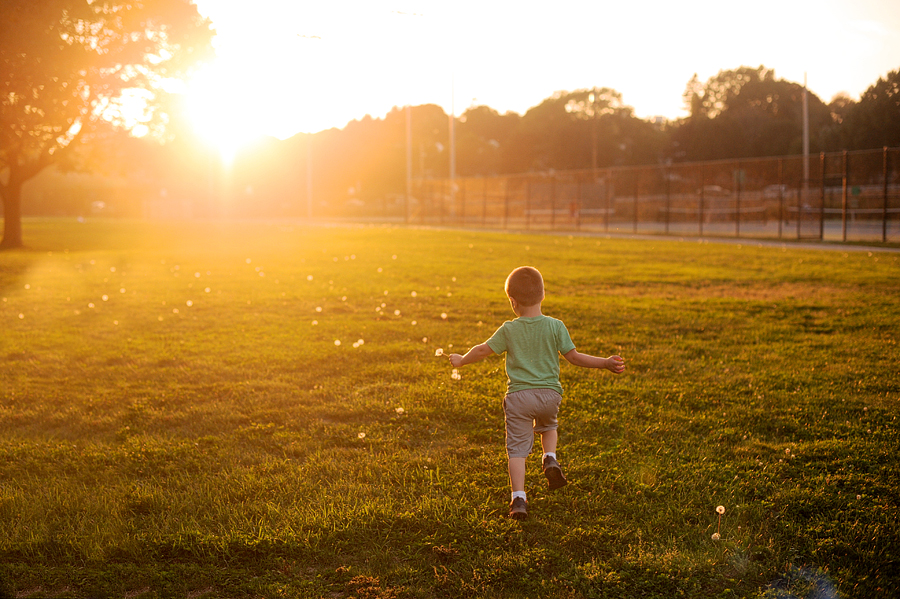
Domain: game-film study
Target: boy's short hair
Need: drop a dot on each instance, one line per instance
(525, 285)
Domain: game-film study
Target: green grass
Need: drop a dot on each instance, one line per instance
(172, 423)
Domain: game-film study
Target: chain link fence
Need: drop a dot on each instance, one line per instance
(845, 196)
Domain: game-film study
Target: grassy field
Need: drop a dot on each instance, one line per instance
(256, 410)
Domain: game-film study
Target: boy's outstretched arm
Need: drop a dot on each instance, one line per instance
(476, 354)
(614, 364)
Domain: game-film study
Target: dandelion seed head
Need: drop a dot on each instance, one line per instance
(116, 322)
(160, 319)
(315, 322)
(318, 308)
(453, 279)
(721, 509)
(715, 536)
(439, 352)
(394, 257)
(337, 342)
(859, 497)
(112, 269)
(414, 294)
(122, 290)
(414, 323)
(27, 286)
(207, 290)
(309, 277)
(249, 261)
(360, 341)
(21, 316)
(189, 303)
(444, 315)
(174, 310)
(361, 435)
(196, 275)
(399, 410)
(396, 312)
(379, 269)
(104, 297)
(91, 305)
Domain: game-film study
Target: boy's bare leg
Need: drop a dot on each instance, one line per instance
(548, 441)
(517, 474)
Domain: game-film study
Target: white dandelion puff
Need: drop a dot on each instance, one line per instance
(21, 316)
(309, 277)
(197, 275)
(174, 310)
(414, 294)
(27, 286)
(399, 410)
(112, 269)
(414, 323)
(189, 303)
(249, 261)
(122, 290)
(160, 319)
(721, 509)
(318, 308)
(715, 536)
(360, 341)
(455, 375)
(379, 269)
(439, 352)
(104, 297)
(337, 342)
(91, 305)
(396, 312)
(443, 315)
(315, 322)
(361, 435)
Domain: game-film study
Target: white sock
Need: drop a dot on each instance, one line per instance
(519, 494)
(552, 454)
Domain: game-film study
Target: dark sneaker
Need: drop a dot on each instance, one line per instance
(518, 509)
(554, 473)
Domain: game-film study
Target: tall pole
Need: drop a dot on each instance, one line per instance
(408, 162)
(452, 146)
(805, 138)
(309, 200)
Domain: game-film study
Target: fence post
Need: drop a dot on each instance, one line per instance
(527, 203)
(702, 185)
(636, 189)
(578, 206)
(884, 216)
(506, 202)
(844, 196)
(553, 202)
(780, 194)
(668, 198)
(606, 193)
(483, 201)
(822, 195)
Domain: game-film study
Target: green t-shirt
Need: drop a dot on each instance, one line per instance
(532, 347)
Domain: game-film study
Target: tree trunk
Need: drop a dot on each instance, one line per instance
(12, 216)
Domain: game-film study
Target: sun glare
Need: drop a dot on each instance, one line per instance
(219, 112)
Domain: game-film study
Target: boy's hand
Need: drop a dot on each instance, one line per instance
(455, 360)
(615, 364)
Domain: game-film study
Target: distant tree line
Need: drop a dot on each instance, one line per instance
(745, 112)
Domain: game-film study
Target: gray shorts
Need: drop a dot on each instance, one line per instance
(528, 412)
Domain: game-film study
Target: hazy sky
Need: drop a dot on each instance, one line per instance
(287, 66)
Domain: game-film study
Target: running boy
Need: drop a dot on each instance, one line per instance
(532, 343)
